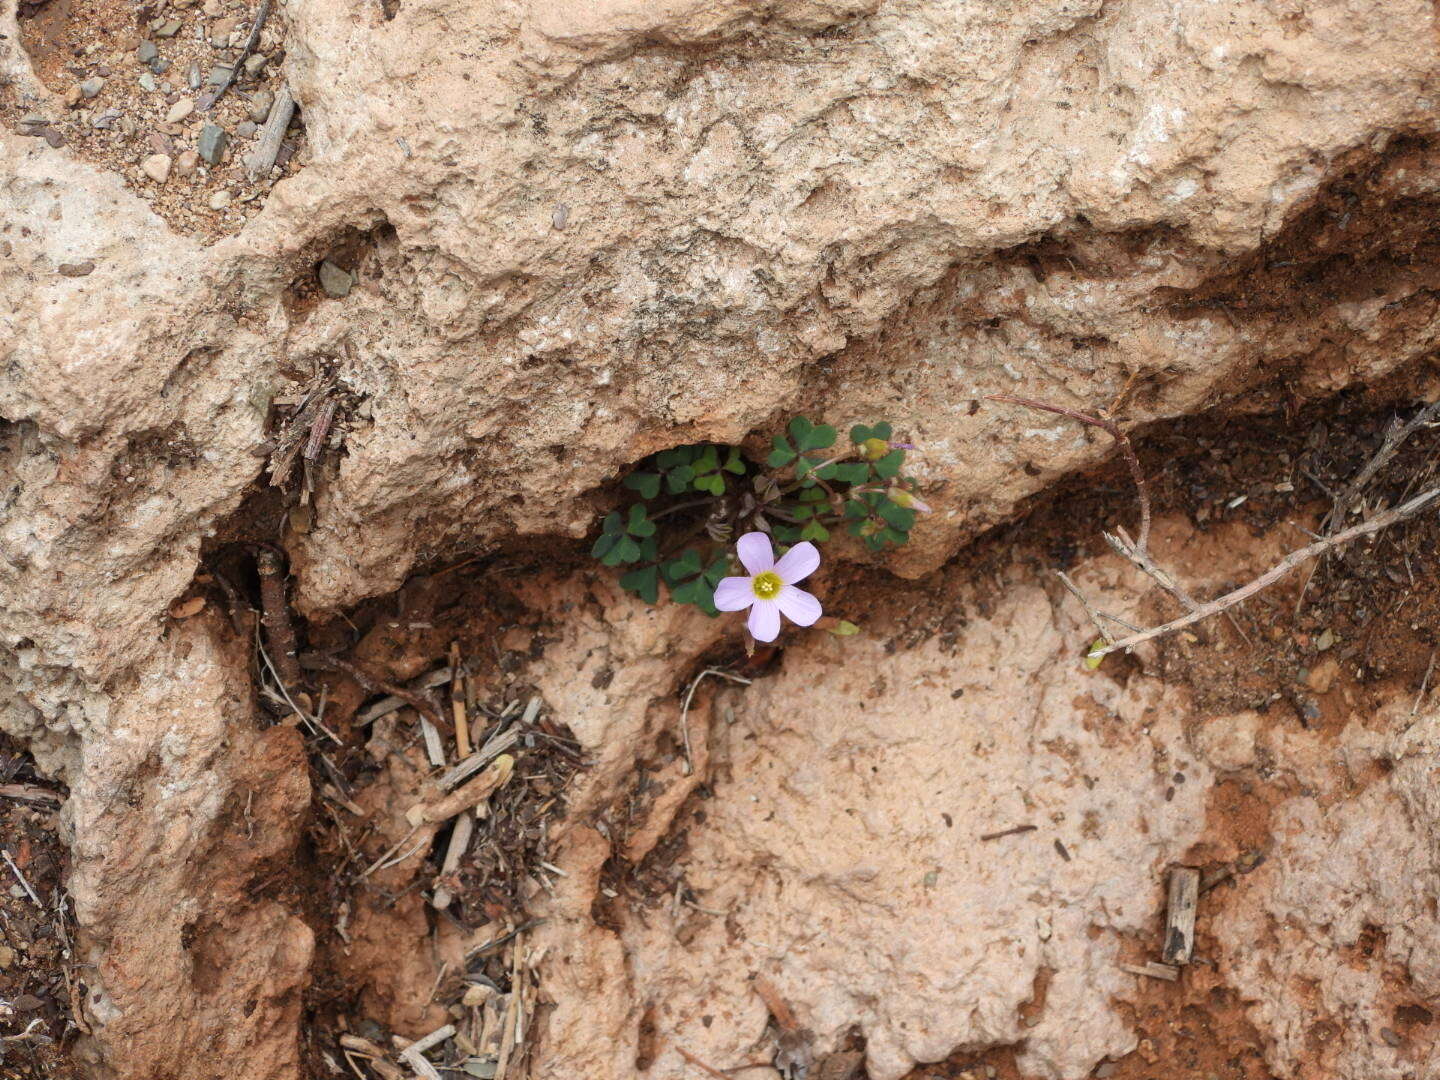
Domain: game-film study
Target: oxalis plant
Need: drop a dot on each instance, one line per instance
(699, 513)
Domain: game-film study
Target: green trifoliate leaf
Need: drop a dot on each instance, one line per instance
(646, 483)
(644, 583)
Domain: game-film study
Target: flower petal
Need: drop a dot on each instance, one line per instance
(798, 563)
(764, 621)
(798, 606)
(755, 552)
(734, 594)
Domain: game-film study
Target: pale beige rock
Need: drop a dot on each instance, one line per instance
(1228, 742)
(851, 209)
(157, 167)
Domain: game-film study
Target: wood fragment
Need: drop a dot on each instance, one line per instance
(417, 701)
(507, 1026)
(1153, 970)
(457, 704)
(29, 793)
(1180, 915)
(434, 748)
(470, 795)
(1013, 831)
(21, 878)
(413, 1055)
(272, 134)
(460, 837)
(391, 702)
(1061, 850)
(275, 617)
(494, 746)
(210, 97)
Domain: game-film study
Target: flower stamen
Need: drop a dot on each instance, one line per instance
(767, 585)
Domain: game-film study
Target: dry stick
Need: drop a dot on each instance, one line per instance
(275, 617)
(267, 146)
(21, 878)
(1095, 615)
(1122, 440)
(207, 101)
(1279, 570)
(457, 705)
(685, 710)
(1341, 505)
(693, 1060)
(31, 793)
(1424, 684)
(421, 704)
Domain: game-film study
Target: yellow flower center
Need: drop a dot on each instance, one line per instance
(767, 586)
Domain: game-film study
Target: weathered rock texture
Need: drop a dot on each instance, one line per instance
(583, 231)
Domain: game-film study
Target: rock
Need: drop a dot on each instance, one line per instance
(255, 64)
(74, 95)
(219, 75)
(220, 200)
(260, 103)
(157, 167)
(147, 52)
(147, 82)
(193, 76)
(211, 144)
(220, 31)
(80, 269)
(335, 281)
(1323, 675)
(160, 144)
(166, 28)
(53, 138)
(180, 110)
(91, 87)
(245, 129)
(186, 163)
(7, 957)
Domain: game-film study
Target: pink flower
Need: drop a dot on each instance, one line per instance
(770, 591)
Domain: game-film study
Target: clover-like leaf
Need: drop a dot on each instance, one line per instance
(627, 550)
(782, 454)
(815, 531)
(898, 516)
(810, 436)
(734, 463)
(639, 523)
(646, 483)
(603, 544)
(851, 472)
(888, 466)
(644, 583)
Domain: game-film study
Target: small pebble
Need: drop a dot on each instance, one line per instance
(105, 121)
(220, 200)
(54, 138)
(334, 281)
(160, 144)
(193, 78)
(148, 83)
(157, 167)
(167, 28)
(7, 957)
(219, 75)
(211, 144)
(255, 64)
(560, 216)
(245, 129)
(260, 105)
(73, 96)
(147, 52)
(212, 7)
(91, 87)
(79, 269)
(179, 111)
(186, 163)
(1391, 1037)
(220, 32)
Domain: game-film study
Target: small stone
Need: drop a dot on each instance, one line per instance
(260, 105)
(193, 78)
(1392, 1038)
(255, 64)
(7, 956)
(212, 7)
(220, 200)
(91, 87)
(220, 31)
(79, 269)
(211, 144)
(106, 120)
(73, 96)
(334, 281)
(160, 67)
(179, 111)
(54, 138)
(160, 144)
(34, 119)
(157, 167)
(168, 28)
(219, 75)
(147, 53)
(147, 82)
(186, 163)
(245, 129)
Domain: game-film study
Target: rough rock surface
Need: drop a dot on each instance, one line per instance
(584, 231)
